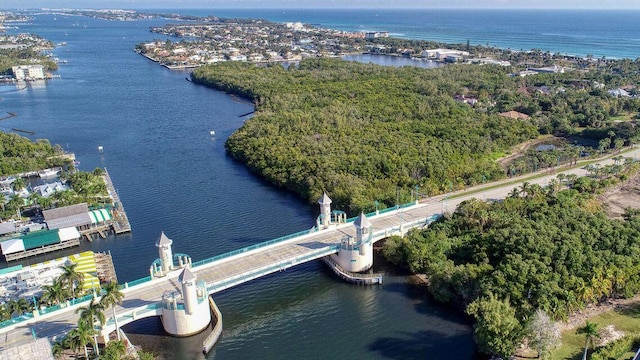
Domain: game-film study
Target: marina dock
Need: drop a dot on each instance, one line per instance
(120, 221)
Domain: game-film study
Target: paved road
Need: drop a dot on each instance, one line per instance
(286, 253)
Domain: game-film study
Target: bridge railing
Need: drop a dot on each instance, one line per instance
(136, 313)
(17, 319)
(252, 247)
(389, 209)
(271, 269)
(139, 281)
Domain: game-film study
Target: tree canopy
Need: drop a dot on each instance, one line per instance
(19, 154)
(359, 131)
(537, 249)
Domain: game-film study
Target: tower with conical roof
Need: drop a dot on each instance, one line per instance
(165, 253)
(325, 210)
(186, 311)
(356, 253)
(189, 295)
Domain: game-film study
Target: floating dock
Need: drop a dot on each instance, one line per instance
(351, 277)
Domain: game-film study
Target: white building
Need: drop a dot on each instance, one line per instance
(28, 72)
(442, 54)
(376, 34)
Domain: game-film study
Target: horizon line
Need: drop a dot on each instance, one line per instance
(329, 8)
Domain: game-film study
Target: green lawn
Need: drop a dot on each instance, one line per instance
(627, 320)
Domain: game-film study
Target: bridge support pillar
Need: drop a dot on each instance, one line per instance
(186, 312)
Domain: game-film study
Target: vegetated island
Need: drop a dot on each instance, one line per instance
(369, 134)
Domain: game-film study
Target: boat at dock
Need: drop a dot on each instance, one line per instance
(48, 173)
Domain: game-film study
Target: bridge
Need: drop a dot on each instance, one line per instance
(148, 296)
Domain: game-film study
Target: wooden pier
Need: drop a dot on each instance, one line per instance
(104, 267)
(120, 221)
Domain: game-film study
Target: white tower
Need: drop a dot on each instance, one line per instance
(164, 251)
(356, 255)
(189, 293)
(186, 311)
(325, 209)
(363, 226)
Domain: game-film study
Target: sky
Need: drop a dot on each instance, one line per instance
(296, 4)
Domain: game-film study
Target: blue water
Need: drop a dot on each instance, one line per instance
(613, 34)
(173, 177)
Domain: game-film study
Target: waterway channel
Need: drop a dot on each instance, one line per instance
(172, 176)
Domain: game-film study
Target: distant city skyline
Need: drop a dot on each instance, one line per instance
(305, 4)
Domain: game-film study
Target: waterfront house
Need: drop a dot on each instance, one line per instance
(442, 54)
(47, 190)
(28, 72)
(68, 216)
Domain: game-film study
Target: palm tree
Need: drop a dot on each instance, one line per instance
(525, 189)
(89, 315)
(5, 313)
(55, 293)
(590, 330)
(18, 184)
(112, 297)
(20, 306)
(553, 186)
(116, 349)
(15, 204)
(71, 277)
(58, 349)
(80, 337)
(45, 202)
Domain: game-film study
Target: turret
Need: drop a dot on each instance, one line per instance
(363, 227)
(189, 293)
(325, 209)
(164, 251)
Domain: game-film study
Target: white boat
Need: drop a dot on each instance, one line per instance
(48, 173)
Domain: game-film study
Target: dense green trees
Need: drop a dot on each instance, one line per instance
(359, 131)
(496, 329)
(536, 250)
(19, 154)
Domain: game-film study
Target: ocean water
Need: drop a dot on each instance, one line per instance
(613, 33)
(172, 176)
